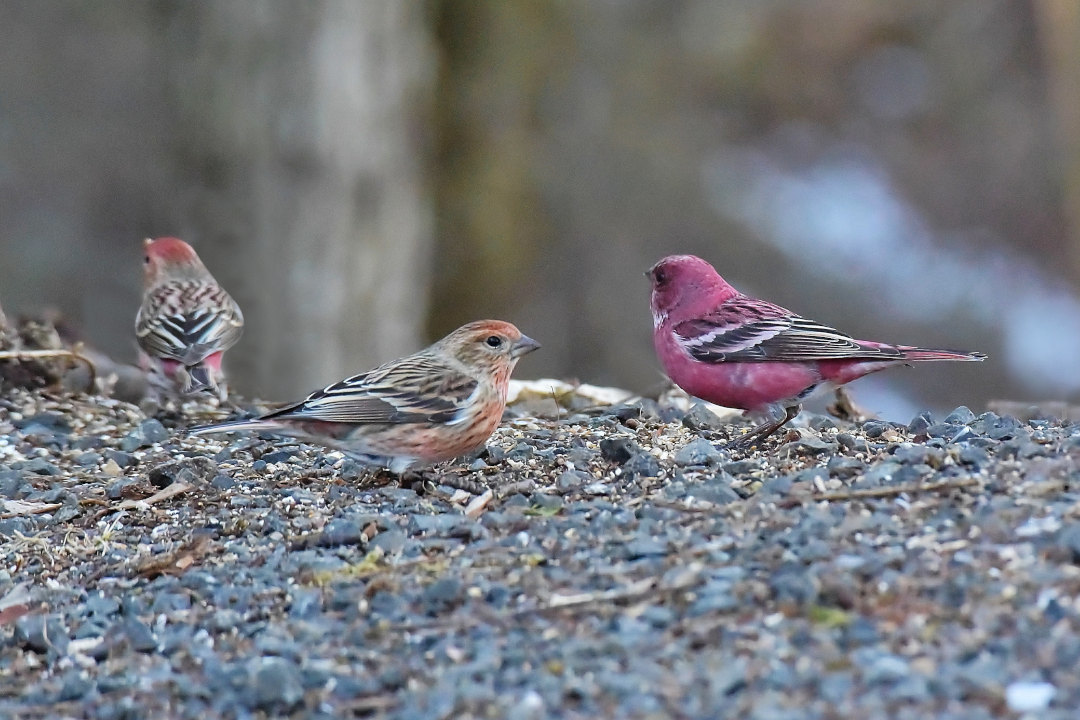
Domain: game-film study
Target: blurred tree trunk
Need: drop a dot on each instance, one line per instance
(301, 136)
(1059, 21)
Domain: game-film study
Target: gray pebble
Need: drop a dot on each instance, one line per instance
(884, 668)
(75, 686)
(874, 428)
(123, 459)
(222, 482)
(38, 466)
(570, 480)
(960, 416)
(843, 467)
(192, 471)
(443, 594)
(42, 633)
(88, 459)
(276, 684)
(880, 474)
(699, 452)
(1069, 539)
(642, 464)
(392, 542)
(136, 634)
(618, 449)
(644, 547)
(700, 418)
(152, 431)
(920, 423)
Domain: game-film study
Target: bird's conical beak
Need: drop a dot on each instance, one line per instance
(523, 346)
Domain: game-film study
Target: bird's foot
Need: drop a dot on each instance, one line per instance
(756, 435)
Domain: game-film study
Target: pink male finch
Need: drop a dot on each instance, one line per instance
(740, 352)
(437, 404)
(186, 322)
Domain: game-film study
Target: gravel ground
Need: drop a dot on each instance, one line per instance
(624, 564)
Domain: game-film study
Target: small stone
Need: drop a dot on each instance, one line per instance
(42, 633)
(886, 669)
(881, 473)
(806, 445)
(844, 467)
(521, 452)
(192, 470)
(392, 542)
(780, 485)
(975, 457)
(846, 440)
(618, 449)
(137, 635)
(222, 482)
(920, 423)
(10, 484)
(39, 466)
(699, 452)
(122, 459)
(111, 469)
(1069, 539)
(277, 684)
(115, 490)
(642, 464)
(529, 707)
(152, 431)
(717, 492)
(960, 416)
(444, 594)
(874, 428)
(700, 418)
(75, 686)
(740, 467)
(1029, 697)
(547, 501)
(88, 459)
(792, 584)
(571, 480)
(278, 456)
(479, 464)
(644, 547)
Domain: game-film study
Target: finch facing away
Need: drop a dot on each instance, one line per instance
(186, 322)
(740, 352)
(434, 405)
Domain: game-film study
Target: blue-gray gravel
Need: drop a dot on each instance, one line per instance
(624, 566)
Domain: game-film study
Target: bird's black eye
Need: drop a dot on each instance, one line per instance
(659, 276)
(146, 259)
(494, 341)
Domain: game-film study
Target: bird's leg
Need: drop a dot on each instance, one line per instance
(765, 429)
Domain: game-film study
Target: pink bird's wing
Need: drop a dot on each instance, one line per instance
(416, 389)
(188, 321)
(744, 329)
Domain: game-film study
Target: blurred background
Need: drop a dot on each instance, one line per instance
(365, 176)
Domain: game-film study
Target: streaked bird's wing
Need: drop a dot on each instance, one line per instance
(188, 321)
(416, 389)
(747, 330)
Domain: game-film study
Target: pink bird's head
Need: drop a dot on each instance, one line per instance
(685, 283)
(169, 258)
